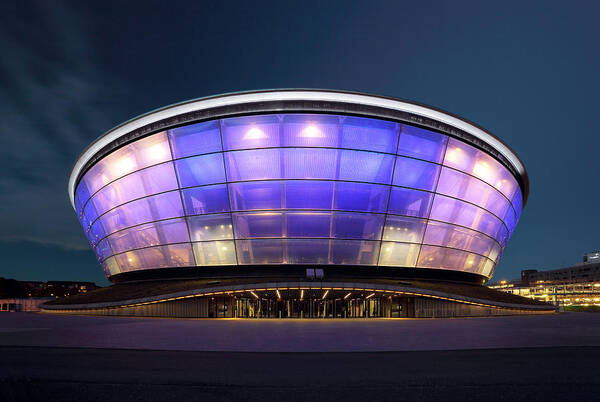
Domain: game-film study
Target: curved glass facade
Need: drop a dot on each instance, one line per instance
(298, 189)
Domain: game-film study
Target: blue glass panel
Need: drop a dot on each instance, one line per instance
(255, 195)
(369, 134)
(300, 194)
(416, 174)
(361, 197)
(517, 203)
(205, 199)
(366, 166)
(306, 130)
(81, 196)
(308, 224)
(96, 233)
(195, 139)
(200, 170)
(253, 165)
(422, 144)
(404, 201)
(250, 132)
(89, 214)
(258, 224)
(357, 226)
(510, 220)
(103, 250)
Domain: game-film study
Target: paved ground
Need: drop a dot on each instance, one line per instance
(567, 329)
(71, 358)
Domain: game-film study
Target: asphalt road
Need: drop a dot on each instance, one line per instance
(71, 358)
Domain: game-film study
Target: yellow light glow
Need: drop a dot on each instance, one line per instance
(255, 133)
(483, 171)
(278, 294)
(302, 294)
(348, 295)
(311, 132)
(124, 166)
(371, 295)
(454, 155)
(325, 294)
(157, 152)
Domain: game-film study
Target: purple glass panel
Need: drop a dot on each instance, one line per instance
(308, 224)
(195, 139)
(255, 195)
(443, 234)
(366, 166)
(471, 189)
(148, 151)
(205, 199)
(210, 227)
(404, 201)
(258, 224)
(404, 229)
(259, 251)
(354, 252)
(461, 213)
(307, 163)
(306, 130)
(300, 194)
(357, 226)
(253, 165)
(469, 159)
(152, 180)
(151, 234)
(446, 258)
(251, 132)
(307, 251)
(360, 197)
(200, 170)
(423, 144)
(369, 134)
(416, 174)
(175, 255)
(161, 206)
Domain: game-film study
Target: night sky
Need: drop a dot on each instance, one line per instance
(528, 72)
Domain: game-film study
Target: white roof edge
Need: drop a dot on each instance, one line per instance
(287, 95)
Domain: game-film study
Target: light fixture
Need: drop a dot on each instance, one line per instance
(325, 294)
(311, 131)
(278, 294)
(254, 133)
(371, 295)
(254, 294)
(348, 295)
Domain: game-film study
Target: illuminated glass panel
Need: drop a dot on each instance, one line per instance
(210, 227)
(195, 139)
(447, 258)
(301, 194)
(308, 224)
(251, 132)
(174, 255)
(369, 134)
(360, 197)
(423, 144)
(256, 195)
(258, 224)
(302, 130)
(404, 229)
(357, 226)
(205, 199)
(153, 180)
(214, 253)
(471, 189)
(443, 234)
(398, 254)
(200, 170)
(404, 201)
(416, 174)
(150, 234)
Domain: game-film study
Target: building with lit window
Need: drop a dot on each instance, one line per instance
(578, 285)
(298, 203)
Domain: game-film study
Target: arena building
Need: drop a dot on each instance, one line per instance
(298, 203)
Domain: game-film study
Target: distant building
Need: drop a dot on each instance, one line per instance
(29, 304)
(577, 285)
(11, 288)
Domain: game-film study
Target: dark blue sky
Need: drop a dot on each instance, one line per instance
(527, 71)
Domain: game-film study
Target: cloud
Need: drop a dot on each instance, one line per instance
(50, 112)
